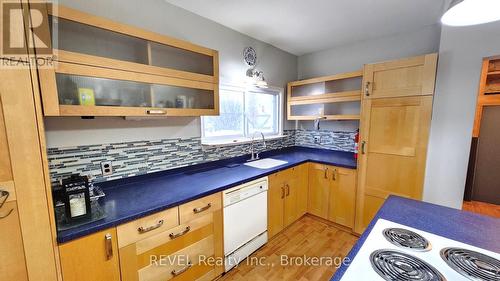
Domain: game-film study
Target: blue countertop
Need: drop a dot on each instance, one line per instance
(466, 227)
(135, 197)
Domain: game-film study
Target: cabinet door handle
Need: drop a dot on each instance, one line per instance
(334, 175)
(156, 112)
(367, 88)
(326, 173)
(143, 229)
(4, 195)
(201, 209)
(109, 246)
(182, 270)
(282, 192)
(287, 190)
(186, 230)
(363, 144)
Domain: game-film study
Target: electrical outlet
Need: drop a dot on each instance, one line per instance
(106, 168)
(317, 139)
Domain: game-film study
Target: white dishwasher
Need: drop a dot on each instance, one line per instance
(245, 220)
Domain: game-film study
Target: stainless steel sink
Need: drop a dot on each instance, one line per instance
(266, 163)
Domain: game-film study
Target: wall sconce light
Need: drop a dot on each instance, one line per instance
(254, 76)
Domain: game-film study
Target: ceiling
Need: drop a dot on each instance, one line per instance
(304, 26)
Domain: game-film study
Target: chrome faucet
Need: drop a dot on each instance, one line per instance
(255, 156)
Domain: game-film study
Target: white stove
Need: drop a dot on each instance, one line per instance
(394, 251)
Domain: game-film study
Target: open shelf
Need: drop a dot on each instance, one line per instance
(328, 117)
(333, 97)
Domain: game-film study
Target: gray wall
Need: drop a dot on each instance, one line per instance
(460, 56)
(352, 57)
(279, 68)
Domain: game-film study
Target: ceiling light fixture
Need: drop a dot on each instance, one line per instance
(471, 12)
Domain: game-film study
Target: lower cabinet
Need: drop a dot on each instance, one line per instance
(332, 193)
(186, 251)
(91, 258)
(287, 198)
(342, 201)
(319, 189)
(181, 243)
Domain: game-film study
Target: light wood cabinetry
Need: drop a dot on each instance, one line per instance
(287, 197)
(342, 201)
(175, 251)
(275, 204)
(12, 263)
(332, 193)
(400, 78)
(26, 239)
(319, 189)
(394, 132)
(90, 258)
(489, 90)
(106, 68)
(334, 97)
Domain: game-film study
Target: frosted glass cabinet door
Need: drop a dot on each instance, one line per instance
(180, 59)
(92, 91)
(86, 39)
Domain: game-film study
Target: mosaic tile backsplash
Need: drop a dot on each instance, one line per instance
(141, 157)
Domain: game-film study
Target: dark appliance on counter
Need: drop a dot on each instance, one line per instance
(74, 193)
(76, 202)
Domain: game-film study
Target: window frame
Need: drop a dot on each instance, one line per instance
(246, 136)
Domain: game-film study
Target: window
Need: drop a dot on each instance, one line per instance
(244, 111)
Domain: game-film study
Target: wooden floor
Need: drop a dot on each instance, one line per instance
(491, 210)
(308, 236)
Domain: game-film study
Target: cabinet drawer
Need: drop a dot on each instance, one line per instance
(147, 227)
(200, 207)
(137, 259)
(167, 261)
(178, 237)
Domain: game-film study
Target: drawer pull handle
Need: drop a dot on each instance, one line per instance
(282, 192)
(186, 230)
(156, 112)
(182, 270)
(109, 246)
(334, 175)
(149, 228)
(287, 190)
(201, 209)
(326, 173)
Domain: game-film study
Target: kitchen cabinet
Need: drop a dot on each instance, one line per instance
(26, 237)
(319, 189)
(332, 193)
(394, 132)
(287, 197)
(105, 68)
(333, 97)
(12, 264)
(342, 201)
(170, 244)
(93, 257)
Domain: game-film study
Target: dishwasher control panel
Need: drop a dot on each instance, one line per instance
(247, 190)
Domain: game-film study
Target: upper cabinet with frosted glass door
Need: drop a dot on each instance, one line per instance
(105, 68)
